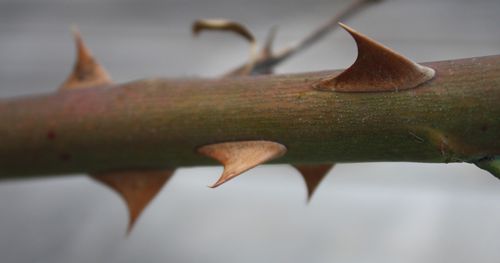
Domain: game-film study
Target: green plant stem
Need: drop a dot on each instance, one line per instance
(157, 123)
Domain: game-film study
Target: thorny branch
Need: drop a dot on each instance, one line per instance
(133, 136)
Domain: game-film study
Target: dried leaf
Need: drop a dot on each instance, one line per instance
(222, 25)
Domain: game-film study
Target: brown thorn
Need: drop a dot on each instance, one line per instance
(313, 175)
(238, 157)
(86, 71)
(377, 68)
(137, 188)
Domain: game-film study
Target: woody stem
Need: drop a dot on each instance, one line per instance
(159, 123)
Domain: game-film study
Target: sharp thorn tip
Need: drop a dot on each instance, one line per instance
(241, 156)
(377, 68)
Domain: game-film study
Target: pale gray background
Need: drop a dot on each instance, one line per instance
(384, 212)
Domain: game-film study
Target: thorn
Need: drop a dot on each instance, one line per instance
(490, 165)
(313, 175)
(267, 49)
(266, 53)
(241, 156)
(137, 188)
(376, 69)
(86, 71)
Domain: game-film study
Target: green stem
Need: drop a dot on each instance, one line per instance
(159, 123)
(492, 166)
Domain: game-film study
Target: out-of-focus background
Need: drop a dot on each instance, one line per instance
(374, 212)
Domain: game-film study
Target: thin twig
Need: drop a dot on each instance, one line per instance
(265, 64)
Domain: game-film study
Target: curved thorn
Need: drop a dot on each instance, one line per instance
(238, 157)
(86, 71)
(377, 68)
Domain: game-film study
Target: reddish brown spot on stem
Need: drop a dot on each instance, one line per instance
(484, 128)
(51, 135)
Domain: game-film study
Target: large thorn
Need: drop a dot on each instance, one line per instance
(86, 71)
(490, 165)
(377, 68)
(238, 157)
(137, 188)
(313, 175)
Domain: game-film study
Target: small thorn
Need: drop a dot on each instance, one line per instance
(137, 188)
(376, 69)
(266, 53)
(313, 175)
(86, 71)
(267, 49)
(238, 157)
